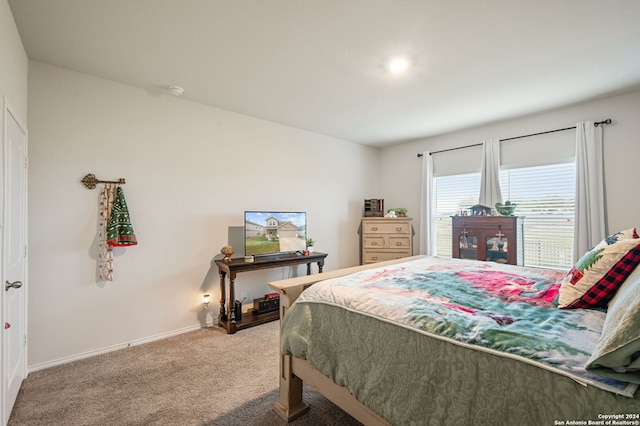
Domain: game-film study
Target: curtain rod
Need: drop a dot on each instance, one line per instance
(596, 124)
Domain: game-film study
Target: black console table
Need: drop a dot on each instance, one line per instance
(226, 316)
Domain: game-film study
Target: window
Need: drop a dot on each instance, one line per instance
(544, 195)
(451, 194)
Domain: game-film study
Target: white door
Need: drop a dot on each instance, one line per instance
(14, 249)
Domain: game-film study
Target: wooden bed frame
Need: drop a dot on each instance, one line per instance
(295, 371)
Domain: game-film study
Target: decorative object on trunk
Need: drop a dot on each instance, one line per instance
(506, 209)
(480, 210)
(228, 251)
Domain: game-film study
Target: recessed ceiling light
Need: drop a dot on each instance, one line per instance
(398, 65)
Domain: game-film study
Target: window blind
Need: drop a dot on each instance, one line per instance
(550, 148)
(451, 194)
(545, 196)
(458, 162)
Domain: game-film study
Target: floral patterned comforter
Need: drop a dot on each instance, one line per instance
(506, 310)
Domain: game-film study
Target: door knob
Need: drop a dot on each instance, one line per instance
(7, 325)
(15, 284)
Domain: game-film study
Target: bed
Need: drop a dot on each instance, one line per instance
(428, 341)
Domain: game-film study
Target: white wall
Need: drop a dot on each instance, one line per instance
(401, 169)
(191, 171)
(13, 71)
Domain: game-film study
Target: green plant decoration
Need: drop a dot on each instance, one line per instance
(400, 211)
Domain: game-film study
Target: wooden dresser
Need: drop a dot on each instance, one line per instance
(385, 239)
(494, 238)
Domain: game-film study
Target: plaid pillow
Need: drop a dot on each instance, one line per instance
(596, 277)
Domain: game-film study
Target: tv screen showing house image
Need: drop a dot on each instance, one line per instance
(267, 233)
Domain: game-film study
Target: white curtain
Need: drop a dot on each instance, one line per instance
(426, 205)
(590, 226)
(490, 192)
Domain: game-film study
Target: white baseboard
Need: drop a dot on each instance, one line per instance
(65, 360)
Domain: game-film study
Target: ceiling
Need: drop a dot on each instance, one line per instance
(318, 64)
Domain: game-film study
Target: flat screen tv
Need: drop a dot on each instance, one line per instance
(274, 232)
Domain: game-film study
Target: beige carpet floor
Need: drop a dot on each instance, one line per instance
(204, 377)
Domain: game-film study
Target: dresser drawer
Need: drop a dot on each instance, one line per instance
(372, 256)
(398, 241)
(373, 241)
(380, 227)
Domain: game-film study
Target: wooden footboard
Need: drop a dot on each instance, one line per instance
(294, 371)
(339, 395)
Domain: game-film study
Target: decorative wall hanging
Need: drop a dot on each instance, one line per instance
(114, 223)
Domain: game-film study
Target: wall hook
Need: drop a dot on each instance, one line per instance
(90, 181)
